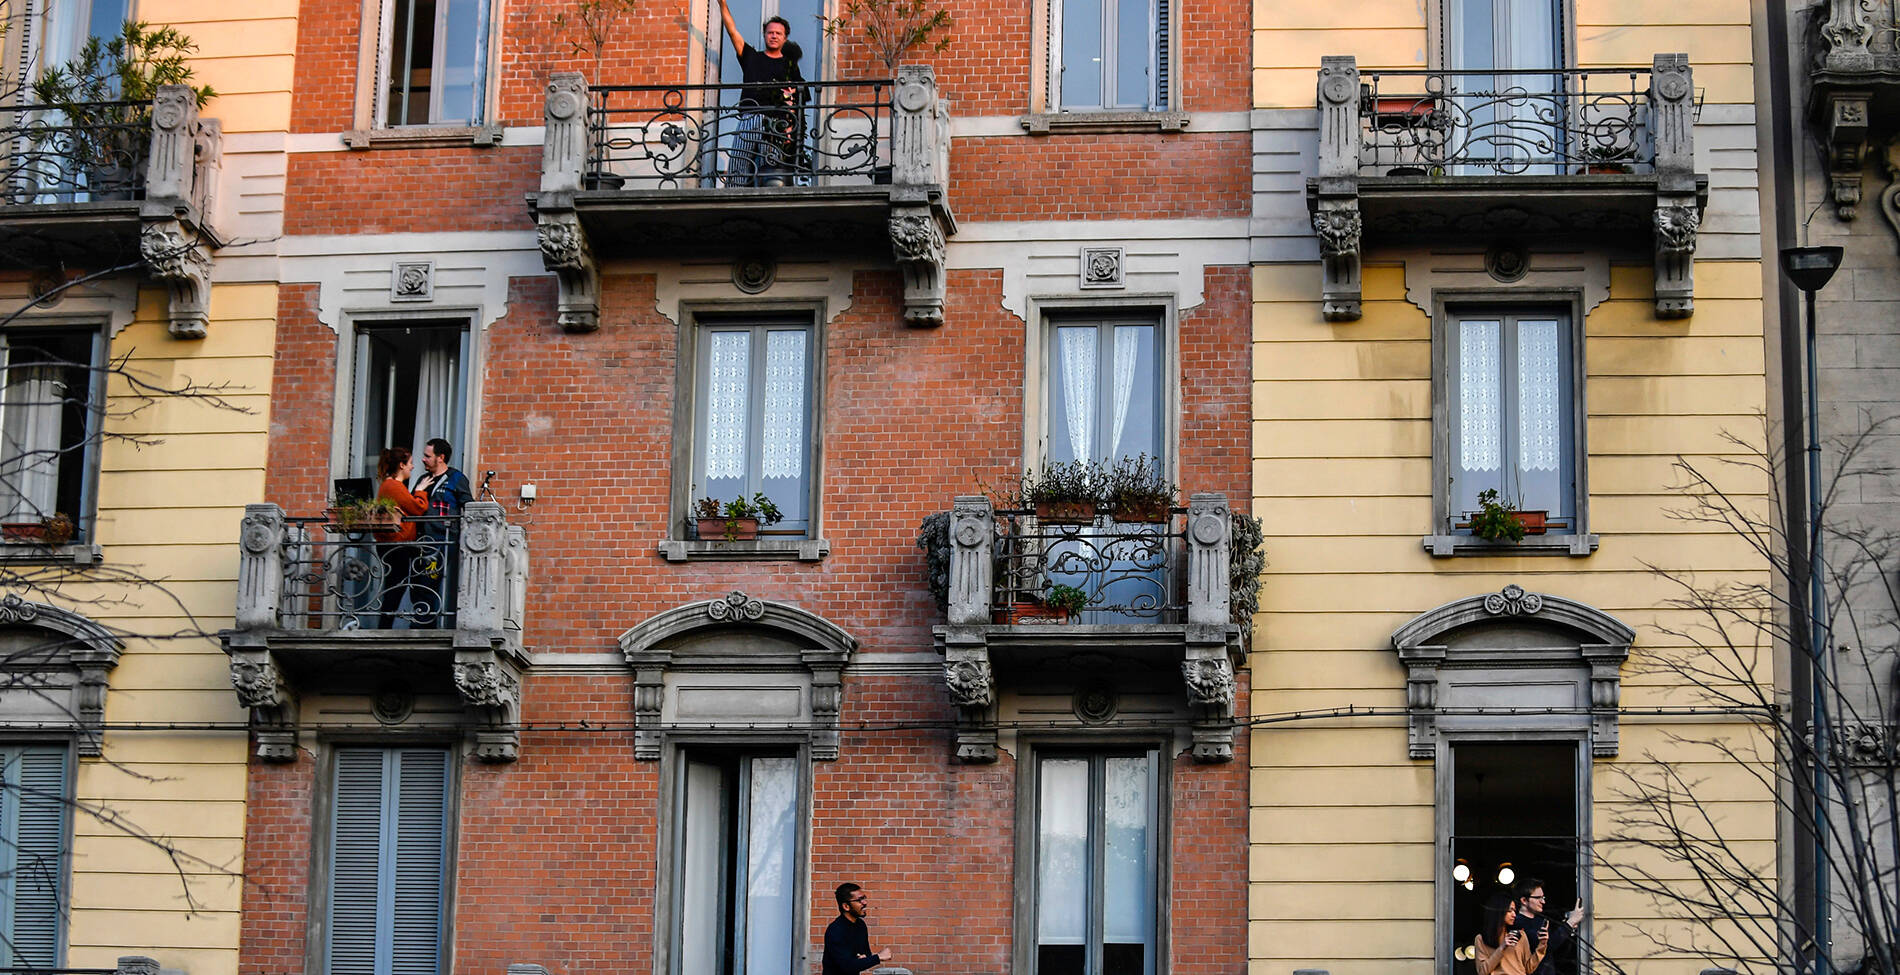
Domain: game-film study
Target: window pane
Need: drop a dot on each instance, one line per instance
(728, 385)
(411, 62)
(1128, 882)
(1543, 408)
(464, 55)
(1082, 54)
(784, 426)
(1480, 412)
(1072, 397)
(410, 386)
(771, 877)
(1134, 49)
(702, 869)
(1530, 34)
(1134, 405)
(1062, 855)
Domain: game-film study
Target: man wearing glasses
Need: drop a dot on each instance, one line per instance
(1537, 927)
(847, 939)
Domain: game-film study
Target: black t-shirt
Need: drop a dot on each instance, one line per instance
(758, 68)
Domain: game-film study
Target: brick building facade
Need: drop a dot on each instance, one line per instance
(602, 759)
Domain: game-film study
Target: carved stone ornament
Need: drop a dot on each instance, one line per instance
(484, 683)
(1512, 600)
(181, 261)
(1676, 224)
(258, 682)
(1102, 267)
(969, 682)
(917, 243)
(15, 610)
(1507, 262)
(754, 274)
(1844, 135)
(1210, 681)
(1340, 231)
(1676, 228)
(392, 703)
(564, 250)
(412, 281)
(1095, 704)
(736, 607)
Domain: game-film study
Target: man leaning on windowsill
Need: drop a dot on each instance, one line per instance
(847, 939)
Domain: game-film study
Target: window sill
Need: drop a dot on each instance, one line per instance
(1450, 546)
(752, 550)
(423, 137)
(26, 553)
(1055, 123)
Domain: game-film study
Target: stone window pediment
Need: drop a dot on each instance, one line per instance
(737, 660)
(55, 665)
(1513, 660)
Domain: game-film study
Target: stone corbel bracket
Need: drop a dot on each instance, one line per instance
(1678, 215)
(174, 242)
(1844, 140)
(917, 243)
(489, 685)
(972, 685)
(1336, 219)
(564, 246)
(262, 688)
(920, 169)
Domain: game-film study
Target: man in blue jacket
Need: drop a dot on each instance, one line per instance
(847, 940)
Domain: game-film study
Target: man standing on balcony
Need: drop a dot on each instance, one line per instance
(445, 490)
(761, 153)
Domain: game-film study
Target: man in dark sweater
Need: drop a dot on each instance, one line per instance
(1537, 926)
(847, 940)
(764, 148)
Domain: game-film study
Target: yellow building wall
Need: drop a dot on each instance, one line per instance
(1343, 822)
(158, 828)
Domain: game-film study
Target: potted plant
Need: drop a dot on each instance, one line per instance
(1066, 600)
(1066, 492)
(1599, 159)
(365, 514)
(54, 529)
(1135, 490)
(1497, 520)
(103, 98)
(737, 520)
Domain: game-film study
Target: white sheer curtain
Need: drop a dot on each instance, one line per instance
(1539, 385)
(1480, 397)
(1062, 852)
(29, 442)
(784, 433)
(1127, 349)
(438, 387)
(1077, 348)
(771, 847)
(728, 356)
(1128, 884)
(702, 848)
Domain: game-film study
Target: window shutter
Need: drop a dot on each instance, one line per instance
(35, 818)
(1164, 64)
(418, 840)
(355, 840)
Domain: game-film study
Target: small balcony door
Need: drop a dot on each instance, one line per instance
(1510, 124)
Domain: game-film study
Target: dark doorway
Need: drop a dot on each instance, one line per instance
(1513, 804)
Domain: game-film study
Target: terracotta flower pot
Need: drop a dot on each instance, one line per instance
(728, 530)
(1065, 512)
(1029, 614)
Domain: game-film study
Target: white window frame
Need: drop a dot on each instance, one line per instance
(1163, 30)
(1449, 308)
(669, 952)
(1028, 817)
(374, 54)
(1039, 371)
(322, 873)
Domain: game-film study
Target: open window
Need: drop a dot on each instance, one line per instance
(49, 424)
(1516, 815)
(432, 62)
(410, 384)
(737, 865)
(1096, 864)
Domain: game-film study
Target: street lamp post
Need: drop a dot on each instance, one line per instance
(1810, 268)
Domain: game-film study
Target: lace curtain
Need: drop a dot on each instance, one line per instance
(1539, 384)
(784, 427)
(29, 442)
(1078, 348)
(782, 394)
(1479, 397)
(728, 355)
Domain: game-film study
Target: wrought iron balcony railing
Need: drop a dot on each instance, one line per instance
(466, 572)
(686, 136)
(99, 151)
(1461, 123)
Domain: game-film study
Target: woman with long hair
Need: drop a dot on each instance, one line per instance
(399, 553)
(1500, 948)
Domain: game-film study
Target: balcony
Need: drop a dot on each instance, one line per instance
(1155, 616)
(1593, 154)
(327, 609)
(857, 168)
(127, 184)
(1854, 94)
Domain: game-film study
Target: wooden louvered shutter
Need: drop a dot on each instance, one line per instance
(388, 854)
(33, 817)
(418, 844)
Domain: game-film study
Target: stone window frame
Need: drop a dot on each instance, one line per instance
(1046, 116)
(371, 132)
(82, 647)
(1036, 380)
(467, 453)
(675, 546)
(1440, 542)
(1030, 749)
(84, 549)
(322, 821)
(668, 865)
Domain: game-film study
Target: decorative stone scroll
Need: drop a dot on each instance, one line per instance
(564, 246)
(172, 239)
(1336, 220)
(490, 689)
(1678, 206)
(64, 661)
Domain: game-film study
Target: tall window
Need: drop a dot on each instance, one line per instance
(1507, 116)
(1513, 423)
(753, 424)
(46, 423)
(434, 62)
(388, 862)
(807, 18)
(1104, 389)
(32, 854)
(1109, 54)
(1097, 847)
(62, 27)
(737, 872)
(411, 385)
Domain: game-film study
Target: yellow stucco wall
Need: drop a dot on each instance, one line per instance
(1343, 822)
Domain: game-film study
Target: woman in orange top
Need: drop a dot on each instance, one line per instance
(1507, 952)
(399, 557)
